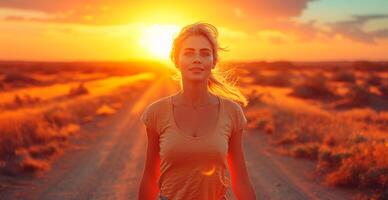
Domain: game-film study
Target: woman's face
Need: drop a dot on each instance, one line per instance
(195, 59)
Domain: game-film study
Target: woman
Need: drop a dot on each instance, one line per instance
(196, 133)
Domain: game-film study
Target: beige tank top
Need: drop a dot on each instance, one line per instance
(193, 168)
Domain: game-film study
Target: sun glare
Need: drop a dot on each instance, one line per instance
(157, 40)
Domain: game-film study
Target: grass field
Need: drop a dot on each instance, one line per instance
(335, 114)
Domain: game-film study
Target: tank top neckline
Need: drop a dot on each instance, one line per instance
(209, 133)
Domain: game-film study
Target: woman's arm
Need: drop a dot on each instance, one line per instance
(241, 184)
(148, 186)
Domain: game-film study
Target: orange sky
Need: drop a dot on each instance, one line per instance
(301, 30)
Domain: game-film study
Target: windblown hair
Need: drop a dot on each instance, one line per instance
(220, 82)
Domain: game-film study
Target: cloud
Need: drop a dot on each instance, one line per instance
(245, 14)
(253, 15)
(354, 28)
(273, 36)
(14, 18)
(248, 17)
(270, 9)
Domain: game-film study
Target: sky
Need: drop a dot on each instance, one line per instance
(120, 30)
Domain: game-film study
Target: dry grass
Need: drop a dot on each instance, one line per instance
(255, 98)
(19, 80)
(308, 151)
(374, 79)
(44, 104)
(26, 139)
(80, 90)
(279, 79)
(349, 148)
(357, 96)
(31, 138)
(345, 133)
(25, 100)
(383, 88)
(261, 119)
(344, 76)
(313, 87)
(105, 110)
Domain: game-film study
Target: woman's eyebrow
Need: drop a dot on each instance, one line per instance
(192, 49)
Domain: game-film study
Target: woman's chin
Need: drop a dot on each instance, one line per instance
(196, 78)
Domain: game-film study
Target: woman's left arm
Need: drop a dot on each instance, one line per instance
(241, 184)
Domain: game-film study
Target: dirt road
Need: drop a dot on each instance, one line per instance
(108, 158)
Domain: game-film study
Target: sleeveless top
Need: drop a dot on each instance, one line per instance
(193, 168)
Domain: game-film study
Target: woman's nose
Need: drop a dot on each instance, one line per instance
(196, 59)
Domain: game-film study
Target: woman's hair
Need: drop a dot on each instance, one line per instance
(220, 82)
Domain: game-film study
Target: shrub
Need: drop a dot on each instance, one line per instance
(373, 79)
(80, 90)
(367, 167)
(308, 151)
(383, 88)
(279, 79)
(18, 79)
(25, 100)
(358, 96)
(314, 87)
(255, 97)
(328, 160)
(344, 76)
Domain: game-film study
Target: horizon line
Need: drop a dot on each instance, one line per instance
(223, 61)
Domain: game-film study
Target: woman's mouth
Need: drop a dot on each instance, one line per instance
(196, 69)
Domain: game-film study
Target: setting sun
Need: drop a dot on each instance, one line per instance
(157, 40)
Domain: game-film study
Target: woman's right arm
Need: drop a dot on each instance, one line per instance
(148, 186)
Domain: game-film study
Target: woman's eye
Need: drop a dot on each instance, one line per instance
(189, 53)
(205, 54)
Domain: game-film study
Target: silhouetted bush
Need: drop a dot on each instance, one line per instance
(308, 151)
(25, 100)
(18, 78)
(370, 66)
(361, 170)
(314, 87)
(80, 90)
(255, 97)
(357, 96)
(344, 76)
(383, 88)
(373, 79)
(277, 80)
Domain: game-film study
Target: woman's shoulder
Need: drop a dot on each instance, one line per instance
(154, 114)
(230, 104)
(233, 108)
(236, 113)
(158, 104)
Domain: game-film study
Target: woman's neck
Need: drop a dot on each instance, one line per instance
(195, 94)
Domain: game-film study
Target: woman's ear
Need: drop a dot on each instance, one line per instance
(214, 65)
